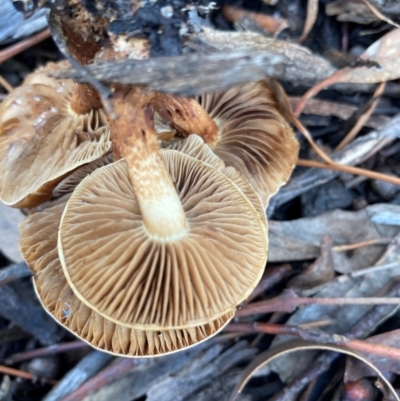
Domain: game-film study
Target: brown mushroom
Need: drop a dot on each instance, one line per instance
(159, 241)
(39, 248)
(252, 135)
(68, 184)
(43, 138)
(194, 146)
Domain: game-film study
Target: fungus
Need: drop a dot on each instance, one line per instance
(48, 128)
(159, 240)
(252, 134)
(195, 147)
(68, 184)
(39, 247)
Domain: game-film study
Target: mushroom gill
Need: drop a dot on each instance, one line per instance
(39, 247)
(252, 134)
(43, 138)
(195, 147)
(159, 240)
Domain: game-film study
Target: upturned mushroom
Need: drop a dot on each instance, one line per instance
(39, 248)
(195, 147)
(244, 126)
(159, 241)
(48, 128)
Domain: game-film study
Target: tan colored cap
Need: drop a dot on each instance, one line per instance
(42, 139)
(253, 136)
(145, 282)
(39, 247)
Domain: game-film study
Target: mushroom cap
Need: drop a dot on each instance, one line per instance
(39, 248)
(195, 147)
(42, 139)
(68, 184)
(115, 267)
(253, 135)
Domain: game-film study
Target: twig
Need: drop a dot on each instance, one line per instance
(19, 47)
(289, 302)
(373, 269)
(272, 276)
(364, 118)
(14, 272)
(332, 165)
(354, 153)
(85, 369)
(25, 311)
(378, 14)
(357, 245)
(20, 373)
(46, 351)
(312, 13)
(187, 75)
(316, 336)
(361, 329)
(333, 79)
(111, 373)
(350, 170)
(5, 84)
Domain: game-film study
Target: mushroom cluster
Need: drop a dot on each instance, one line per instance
(145, 232)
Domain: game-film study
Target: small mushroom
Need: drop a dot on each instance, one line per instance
(39, 247)
(251, 132)
(194, 146)
(68, 184)
(159, 240)
(48, 128)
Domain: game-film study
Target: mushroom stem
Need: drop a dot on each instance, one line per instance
(84, 99)
(161, 209)
(186, 116)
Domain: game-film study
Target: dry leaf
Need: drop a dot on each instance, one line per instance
(299, 239)
(386, 52)
(351, 11)
(298, 345)
(9, 232)
(268, 23)
(343, 317)
(355, 370)
(312, 13)
(384, 214)
(343, 111)
(318, 273)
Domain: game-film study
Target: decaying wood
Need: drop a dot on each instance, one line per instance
(188, 75)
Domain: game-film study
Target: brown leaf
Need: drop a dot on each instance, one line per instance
(343, 111)
(386, 52)
(351, 11)
(343, 317)
(318, 273)
(298, 345)
(312, 13)
(379, 15)
(299, 239)
(268, 23)
(355, 370)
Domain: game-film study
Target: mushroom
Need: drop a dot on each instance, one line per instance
(251, 132)
(39, 247)
(68, 184)
(48, 128)
(194, 146)
(159, 240)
